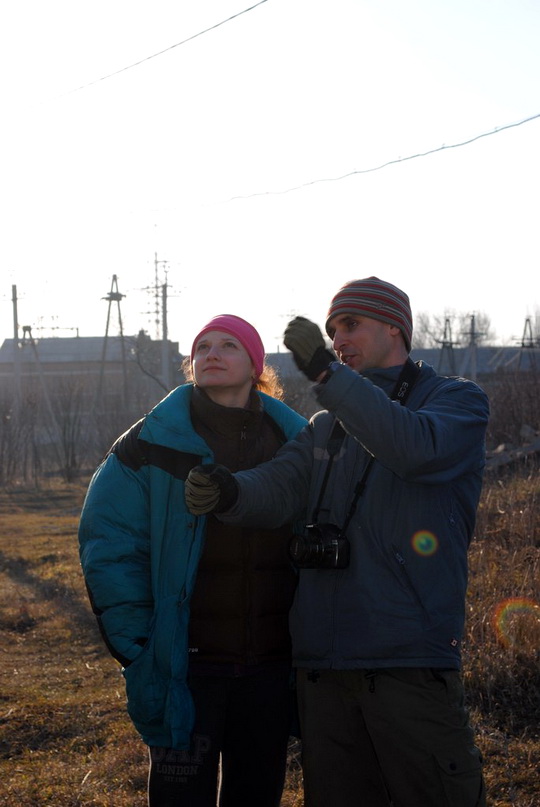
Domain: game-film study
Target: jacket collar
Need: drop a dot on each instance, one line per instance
(225, 420)
(384, 377)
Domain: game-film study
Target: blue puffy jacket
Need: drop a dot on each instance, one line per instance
(401, 600)
(139, 550)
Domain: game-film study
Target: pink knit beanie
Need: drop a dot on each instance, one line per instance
(377, 299)
(241, 330)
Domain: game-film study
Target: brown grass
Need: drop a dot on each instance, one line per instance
(65, 738)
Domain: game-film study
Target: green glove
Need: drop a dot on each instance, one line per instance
(210, 489)
(305, 341)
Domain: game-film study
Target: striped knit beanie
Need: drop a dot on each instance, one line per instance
(243, 331)
(377, 299)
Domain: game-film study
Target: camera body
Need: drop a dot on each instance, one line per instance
(323, 547)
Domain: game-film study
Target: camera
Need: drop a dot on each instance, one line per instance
(323, 547)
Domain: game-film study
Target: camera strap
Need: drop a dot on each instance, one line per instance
(400, 393)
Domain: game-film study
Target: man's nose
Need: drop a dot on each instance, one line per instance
(338, 341)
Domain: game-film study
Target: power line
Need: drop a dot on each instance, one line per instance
(389, 162)
(166, 50)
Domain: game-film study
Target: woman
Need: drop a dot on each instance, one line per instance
(195, 611)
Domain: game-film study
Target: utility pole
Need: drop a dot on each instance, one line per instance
(16, 355)
(161, 295)
(53, 429)
(158, 294)
(165, 353)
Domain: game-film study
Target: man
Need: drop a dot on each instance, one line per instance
(390, 473)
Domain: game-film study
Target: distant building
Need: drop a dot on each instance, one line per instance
(115, 365)
(480, 361)
(133, 363)
(462, 361)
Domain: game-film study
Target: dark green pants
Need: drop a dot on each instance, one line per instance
(387, 738)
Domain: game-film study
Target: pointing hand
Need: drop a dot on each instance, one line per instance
(305, 340)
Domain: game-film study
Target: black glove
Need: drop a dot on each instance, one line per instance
(305, 341)
(210, 489)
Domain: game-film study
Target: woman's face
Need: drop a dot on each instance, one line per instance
(220, 362)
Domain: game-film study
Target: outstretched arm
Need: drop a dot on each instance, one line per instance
(271, 494)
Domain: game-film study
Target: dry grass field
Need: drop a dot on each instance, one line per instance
(65, 738)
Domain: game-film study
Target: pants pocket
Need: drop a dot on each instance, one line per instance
(461, 777)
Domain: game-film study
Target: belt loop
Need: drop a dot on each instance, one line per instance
(370, 675)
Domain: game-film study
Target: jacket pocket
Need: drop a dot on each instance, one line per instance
(146, 688)
(156, 687)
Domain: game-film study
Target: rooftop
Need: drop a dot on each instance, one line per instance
(80, 349)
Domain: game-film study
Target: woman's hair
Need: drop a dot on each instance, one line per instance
(270, 383)
(267, 382)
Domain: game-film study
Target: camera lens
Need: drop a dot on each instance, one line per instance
(302, 550)
(323, 547)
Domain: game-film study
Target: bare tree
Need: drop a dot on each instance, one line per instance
(69, 403)
(19, 460)
(452, 329)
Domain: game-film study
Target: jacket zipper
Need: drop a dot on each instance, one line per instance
(408, 582)
(337, 576)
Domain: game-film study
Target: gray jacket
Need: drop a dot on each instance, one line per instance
(401, 600)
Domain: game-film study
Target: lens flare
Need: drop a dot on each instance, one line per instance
(424, 542)
(517, 623)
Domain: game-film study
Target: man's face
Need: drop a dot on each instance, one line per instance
(364, 343)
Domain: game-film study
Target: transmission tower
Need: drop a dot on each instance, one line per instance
(527, 345)
(158, 292)
(447, 350)
(114, 296)
(470, 357)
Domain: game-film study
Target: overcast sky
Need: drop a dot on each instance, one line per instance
(248, 156)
